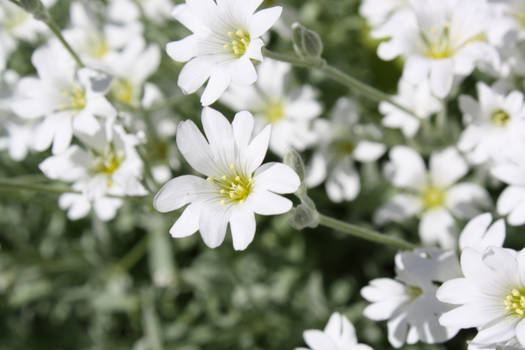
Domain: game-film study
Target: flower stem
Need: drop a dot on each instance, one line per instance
(340, 76)
(9, 185)
(56, 30)
(364, 233)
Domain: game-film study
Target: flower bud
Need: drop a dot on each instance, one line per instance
(306, 42)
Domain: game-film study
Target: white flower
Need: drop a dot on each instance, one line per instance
(479, 236)
(409, 302)
(237, 186)
(511, 202)
(495, 124)
(130, 70)
(157, 11)
(110, 167)
(339, 334)
(416, 97)
(377, 12)
(226, 36)
(68, 100)
(491, 296)
(443, 40)
(339, 146)
(435, 195)
(96, 42)
(289, 112)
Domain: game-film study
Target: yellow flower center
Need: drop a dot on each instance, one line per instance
(521, 18)
(98, 46)
(342, 147)
(500, 117)
(515, 302)
(107, 164)
(439, 45)
(414, 292)
(240, 40)
(77, 99)
(235, 186)
(122, 90)
(14, 18)
(274, 111)
(433, 197)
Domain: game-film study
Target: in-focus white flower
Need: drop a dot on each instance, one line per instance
(339, 334)
(416, 97)
(340, 144)
(511, 202)
(108, 168)
(226, 37)
(237, 185)
(434, 195)
(272, 102)
(97, 41)
(409, 302)
(480, 233)
(441, 41)
(491, 296)
(495, 124)
(68, 100)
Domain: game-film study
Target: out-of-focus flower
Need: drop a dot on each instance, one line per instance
(434, 196)
(68, 100)
(97, 42)
(237, 185)
(157, 11)
(226, 37)
(409, 302)
(480, 233)
(339, 334)
(495, 124)
(108, 168)
(378, 12)
(443, 40)
(339, 147)
(491, 296)
(289, 112)
(416, 97)
(16, 24)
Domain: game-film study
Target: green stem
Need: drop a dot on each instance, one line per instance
(133, 256)
(364, 233)
(340, 76)
(16, 2)
(9, 185)
(56, 30)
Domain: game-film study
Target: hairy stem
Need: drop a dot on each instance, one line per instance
(56, 30)
(9, 185)
(340, 76)
(364, 233)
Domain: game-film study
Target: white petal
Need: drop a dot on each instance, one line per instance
(263, 20)
(317, 340)
(257, 149)
(188, 223)
(467, 200)
(242, 128)
(63, 136)
(367, 151)
(218, 131)
(242, 225)
(398, 208)
(179, 192)
(441, 77)
(520, 332)
(212, 224)
(194, 148)
(397, 330)
(438, 226)
(409, 168)
(182, 50)
(277, 177)
(447, 167)
(195, 73)
(86, 123)
(219, 80)
(242, 71)
(106, 208)
(457, 291)
(510, 198)
(478, 236)
(268, 203)
(500, 332)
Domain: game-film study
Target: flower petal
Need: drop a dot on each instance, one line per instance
(447, 167)
(188, 223)
(220, 79)
(277, 177)
(242, 225)
(194, 148)
(263, 20)
(179, 192)
(268, 203)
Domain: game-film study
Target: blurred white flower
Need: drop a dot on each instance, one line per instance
(16, 24)
(339, 334)
(289, 112)
(130, 70)
(417, 98)
(434, 196)
(378, 12)
(409, 302)
(495, 124)
(68, 100)
(237, 186)
(480, 233)
(491, 296)
(339, 146)
(157, 11)
(97, 41)
(108, 168)
(225, 38)
(511, 202)
(441, 41)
